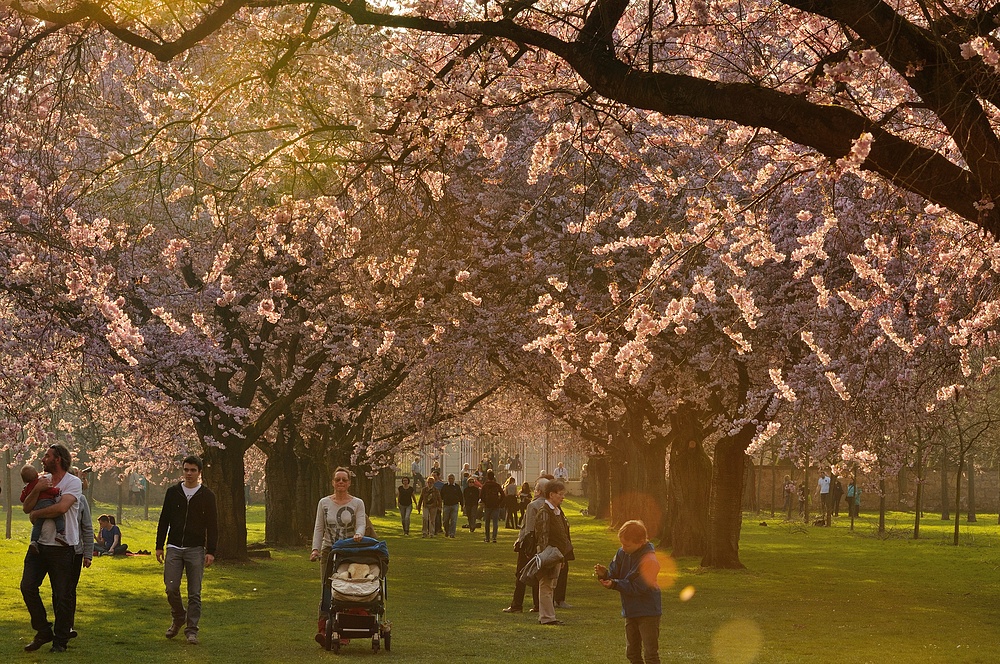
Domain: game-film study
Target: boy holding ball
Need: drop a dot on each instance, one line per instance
(633, 573)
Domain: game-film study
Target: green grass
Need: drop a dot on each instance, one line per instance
(809, 595)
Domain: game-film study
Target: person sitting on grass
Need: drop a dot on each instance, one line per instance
(46, 498)
(109, 538)
(633, 573)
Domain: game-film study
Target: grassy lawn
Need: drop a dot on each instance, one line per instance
(809, 595)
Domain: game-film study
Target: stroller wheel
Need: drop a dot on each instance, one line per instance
(375, 643)
(332, 636)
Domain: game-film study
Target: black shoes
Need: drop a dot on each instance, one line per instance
(37, 642)
(512, 609)
(58, 648)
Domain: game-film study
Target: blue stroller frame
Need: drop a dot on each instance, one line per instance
(357, 619)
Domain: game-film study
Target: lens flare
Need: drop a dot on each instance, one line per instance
(737, 642)
(667, 576)
(687, 593)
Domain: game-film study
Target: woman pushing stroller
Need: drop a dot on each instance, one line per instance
(338, 516)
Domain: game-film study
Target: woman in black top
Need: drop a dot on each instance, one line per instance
(404, 498)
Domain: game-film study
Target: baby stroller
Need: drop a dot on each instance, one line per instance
(356, 573)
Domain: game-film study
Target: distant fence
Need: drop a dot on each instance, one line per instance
(538, 451)
(900, 490)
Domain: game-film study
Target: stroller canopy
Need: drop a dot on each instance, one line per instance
(365, 547)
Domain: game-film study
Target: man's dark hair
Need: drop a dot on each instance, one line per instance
(196, 460)
(65, 460)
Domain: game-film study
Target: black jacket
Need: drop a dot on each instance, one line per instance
(553, 529)
(194, 523)
(491, 495)
(451, 494)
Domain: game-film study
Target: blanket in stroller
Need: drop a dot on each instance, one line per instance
(356, 582)
(359, 568)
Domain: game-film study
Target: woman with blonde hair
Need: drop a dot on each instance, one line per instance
(338, 516)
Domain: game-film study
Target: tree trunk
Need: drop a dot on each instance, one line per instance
(599, 478)
(945, 510)
(372, 489)
(280, 504)
(881, 505)
(384, 491)
(362, 487)
(223, 474)
(971, 465)
(774, 482)
(828, 516)
(750, 502)
(902, 488)
(638, 475)
(855, 504)
(121, 497)
(958, 494)
(726, 503)
(806, 494)
(294, 487)
(687, 500)
(918, 500)
(7, 503)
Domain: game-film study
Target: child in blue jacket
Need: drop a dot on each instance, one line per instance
(633, 573)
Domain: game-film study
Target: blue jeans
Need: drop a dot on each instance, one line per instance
(404, 514)
(492, 516)
(57, 562)
(189, 561)
(449, 516)
(36, 528)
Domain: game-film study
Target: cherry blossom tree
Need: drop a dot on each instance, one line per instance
(903, 90)
(769, 183)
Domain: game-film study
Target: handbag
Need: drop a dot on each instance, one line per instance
(549, 556)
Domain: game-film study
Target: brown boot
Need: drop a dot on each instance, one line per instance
(321, 632)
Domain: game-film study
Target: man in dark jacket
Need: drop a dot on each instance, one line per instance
(451, 498)
(189, 526)
(470, 498)
(491, 496)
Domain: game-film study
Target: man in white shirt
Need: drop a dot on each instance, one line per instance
(823, 489)
(54, 559)
(561, 473)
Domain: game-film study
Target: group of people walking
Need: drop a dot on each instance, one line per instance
(478, 496)
(64, 544)
(187, 535)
